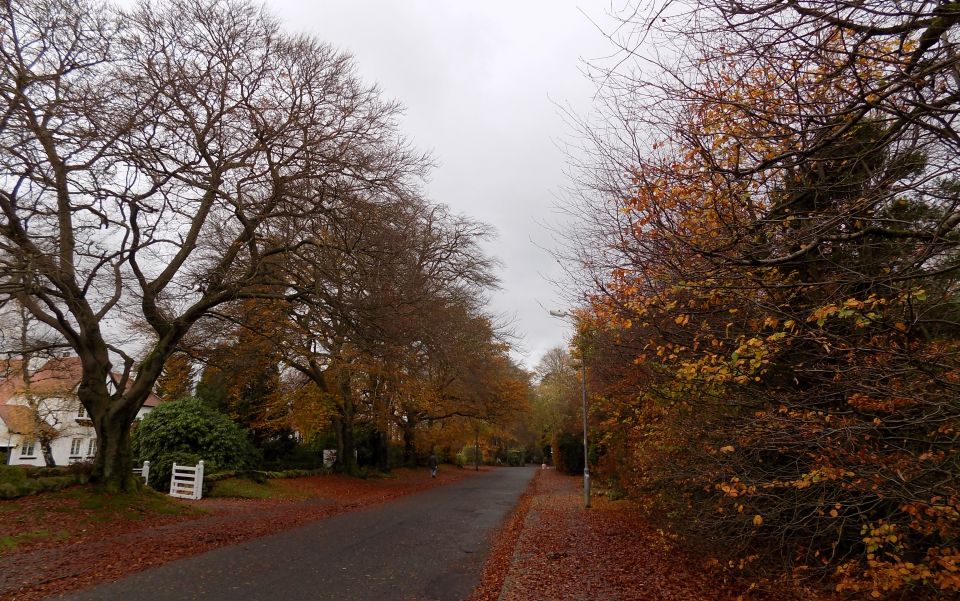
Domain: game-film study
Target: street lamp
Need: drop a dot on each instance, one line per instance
(583, 389)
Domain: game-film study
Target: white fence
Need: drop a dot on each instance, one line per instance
(143, 472)
(187, 482)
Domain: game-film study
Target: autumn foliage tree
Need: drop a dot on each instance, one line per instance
(556, 406)
(769, 253)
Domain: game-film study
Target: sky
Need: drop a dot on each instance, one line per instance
(483, 83)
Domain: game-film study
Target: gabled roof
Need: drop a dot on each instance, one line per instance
(20, 419)
(11, 371)
(58, 377)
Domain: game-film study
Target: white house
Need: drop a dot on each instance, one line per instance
(47, 400)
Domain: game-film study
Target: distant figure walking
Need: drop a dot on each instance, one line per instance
(433, 465)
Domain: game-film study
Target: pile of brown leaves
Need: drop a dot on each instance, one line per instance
(554, 549)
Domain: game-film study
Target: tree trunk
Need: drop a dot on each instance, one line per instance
(47, 453)
(382, 458)
(113, 467)
(409, 447)
(346, 461)
(338, 431)
(112, 418)
(349, 449)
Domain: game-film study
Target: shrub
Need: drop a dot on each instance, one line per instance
(161, 468)
(569, 456)
(515, 457)
(12, 474)
(298, 457)
(20, 481)
(187, 431)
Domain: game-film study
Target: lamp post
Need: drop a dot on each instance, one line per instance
(583, 390)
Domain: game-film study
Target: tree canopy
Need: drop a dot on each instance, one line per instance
(768, 253)
(174, 167)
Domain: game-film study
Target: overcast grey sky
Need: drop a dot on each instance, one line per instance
(481, 82)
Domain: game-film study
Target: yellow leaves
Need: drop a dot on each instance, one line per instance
(757, 520)
(730, 491)
(682, 319)
(776, 337)
(735, 488)
(822, 314)
(728, 449)
(915, 294)
(877, 536)
(852, 303)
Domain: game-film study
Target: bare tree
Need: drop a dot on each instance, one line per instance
(152, 163)
(382, 274)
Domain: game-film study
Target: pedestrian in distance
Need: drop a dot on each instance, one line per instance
(433, 465)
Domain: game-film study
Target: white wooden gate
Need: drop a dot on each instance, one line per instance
(187, 482)
(143, 472)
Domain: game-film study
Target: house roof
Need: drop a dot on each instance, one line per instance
(21, 419)
(11, 371)
(59, 376)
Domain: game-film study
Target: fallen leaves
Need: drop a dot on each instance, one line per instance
(102, 550)
(565, 552)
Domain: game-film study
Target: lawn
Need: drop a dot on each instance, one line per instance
(248, 489)
(80, 512)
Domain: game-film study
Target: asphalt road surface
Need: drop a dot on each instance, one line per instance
(428, 546)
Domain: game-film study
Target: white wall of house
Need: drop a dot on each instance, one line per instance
(8, 440)
(75, 432)
(54, 400)
(77, 440)
(66, 450)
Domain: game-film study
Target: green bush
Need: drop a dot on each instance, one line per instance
(298, 457)
(515, 457)
(185, 432)
(20, 481)
(12, 474)
(569, 456)
(161, 468)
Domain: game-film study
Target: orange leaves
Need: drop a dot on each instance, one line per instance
(884, 570)
(863, 402)
(735, 488)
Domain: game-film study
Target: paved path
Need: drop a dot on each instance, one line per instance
(429, 546)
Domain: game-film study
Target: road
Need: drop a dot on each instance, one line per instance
(425, 547)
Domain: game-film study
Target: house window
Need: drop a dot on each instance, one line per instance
(75, 445)
(92, 447)
(29, 449)
(81, 412)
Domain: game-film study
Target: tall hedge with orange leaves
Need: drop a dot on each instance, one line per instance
(771, 306)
